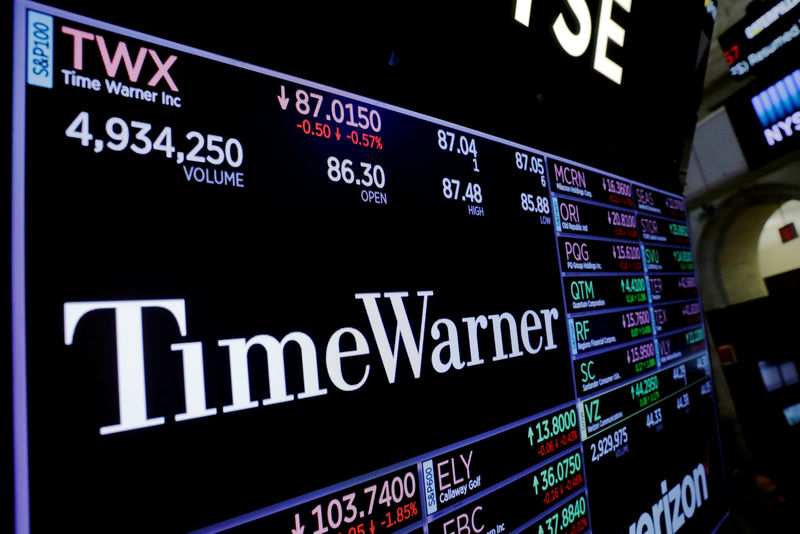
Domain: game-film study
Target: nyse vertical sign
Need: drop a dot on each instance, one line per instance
(599, 60)
(576, 43)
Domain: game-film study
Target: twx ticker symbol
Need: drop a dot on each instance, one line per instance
(576, 44)
(121, 55)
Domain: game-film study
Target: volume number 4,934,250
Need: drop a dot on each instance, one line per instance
(135, 135)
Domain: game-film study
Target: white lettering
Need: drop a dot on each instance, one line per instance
(686, 497)
(786, 126)
(451, 344)
(522, 11)
(607, 30)
(193, 381)
(344, 343)
(645, 524)
(334, 355)
(766, 20)
(238, 350)
(575, 44)
(526, 330)
(472, 336)
(130, 353)
(498, 336)
(412, 346)
(677, 515)
(549, 316)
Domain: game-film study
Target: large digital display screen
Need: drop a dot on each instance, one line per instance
(766, 118)
(764, 40)
(246, 301)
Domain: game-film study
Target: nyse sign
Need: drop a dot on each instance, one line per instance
(576, 43)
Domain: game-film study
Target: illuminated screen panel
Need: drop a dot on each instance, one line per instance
(305, 311)
(764, 40)
(766, 118)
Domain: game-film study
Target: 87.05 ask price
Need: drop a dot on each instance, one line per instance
(136, 136)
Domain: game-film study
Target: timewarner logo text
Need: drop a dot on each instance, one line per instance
(533, 332)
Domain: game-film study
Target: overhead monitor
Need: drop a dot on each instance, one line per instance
(766, 118)
(763, 41)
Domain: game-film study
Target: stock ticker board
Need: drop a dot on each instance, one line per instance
(295, 310)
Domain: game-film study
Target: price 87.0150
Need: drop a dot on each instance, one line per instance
(356, 116)
(330, 114)
(121, 134)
